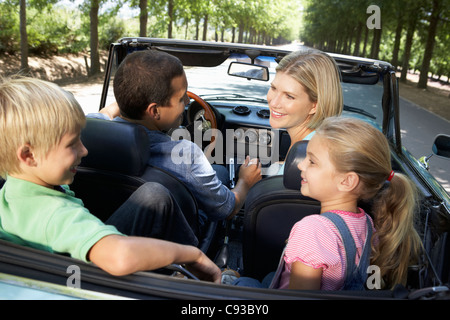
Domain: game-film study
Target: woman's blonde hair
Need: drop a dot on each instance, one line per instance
(356, 146)
(34, 112)
(318, 73)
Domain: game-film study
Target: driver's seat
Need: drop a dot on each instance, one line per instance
(117, 165)
(272, 207)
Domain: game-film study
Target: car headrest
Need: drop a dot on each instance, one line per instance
(115, 146)
(291, 175)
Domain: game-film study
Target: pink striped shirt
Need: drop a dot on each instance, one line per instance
(316, 242)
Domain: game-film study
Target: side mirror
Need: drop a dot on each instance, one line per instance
(441, 146)
(249, 71)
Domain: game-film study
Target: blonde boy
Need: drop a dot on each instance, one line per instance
(40, 149)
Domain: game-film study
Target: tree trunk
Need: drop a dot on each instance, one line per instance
(398, 35)
(143, 18)
(205, 27)
(170, 14)
(366, 37)
(197, 28)
(375, 49)
(408, 46)
(23, 38)
(241, 32)
(358, 39)
(95, 56)
(428, 54)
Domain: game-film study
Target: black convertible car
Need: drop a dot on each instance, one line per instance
(228, 84)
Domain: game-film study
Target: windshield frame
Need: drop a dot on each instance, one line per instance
(356, 70)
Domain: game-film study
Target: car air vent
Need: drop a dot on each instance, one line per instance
(264, 113)
(241, 110)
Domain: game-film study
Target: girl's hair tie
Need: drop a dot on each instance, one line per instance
(391, 175)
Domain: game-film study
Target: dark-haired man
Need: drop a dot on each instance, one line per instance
(150, 88)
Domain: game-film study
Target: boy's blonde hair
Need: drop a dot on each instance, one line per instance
(34, 112)
(318, 73)
(356, 146)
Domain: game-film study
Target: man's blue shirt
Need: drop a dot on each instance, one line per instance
(185, 160)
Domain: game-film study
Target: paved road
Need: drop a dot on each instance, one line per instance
(419, 126)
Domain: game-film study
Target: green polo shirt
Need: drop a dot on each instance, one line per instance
(47, 219)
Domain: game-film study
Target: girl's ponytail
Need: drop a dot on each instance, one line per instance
(397, 241)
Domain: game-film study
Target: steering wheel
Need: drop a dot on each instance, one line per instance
(209, 121)
(208, 111)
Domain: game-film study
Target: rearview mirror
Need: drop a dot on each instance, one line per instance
(249, 71)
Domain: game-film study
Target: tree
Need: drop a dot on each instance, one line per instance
(402, 22)
(411, 28)
(398, 35)
(196, 10)
(23, 37)
(24, 46)
(95, 55)
(143, 18)
(170, 14)
(431, 38)
(92, 8)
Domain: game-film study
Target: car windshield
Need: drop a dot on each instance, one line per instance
(214, 83)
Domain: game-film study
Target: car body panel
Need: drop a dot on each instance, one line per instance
(20, 288)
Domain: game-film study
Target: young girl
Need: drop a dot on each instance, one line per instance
(349, 160)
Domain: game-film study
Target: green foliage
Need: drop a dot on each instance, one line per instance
(330, 25)
(111, 30)
(47, 35)
(256, 21)
(334, 25)
(9, 29)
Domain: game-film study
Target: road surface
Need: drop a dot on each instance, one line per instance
(419, 127)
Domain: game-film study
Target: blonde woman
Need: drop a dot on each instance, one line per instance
(306, 90)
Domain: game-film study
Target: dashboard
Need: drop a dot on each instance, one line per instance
(245, 130)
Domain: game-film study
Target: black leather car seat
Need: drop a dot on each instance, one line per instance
(117, 164)
(272, 207)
